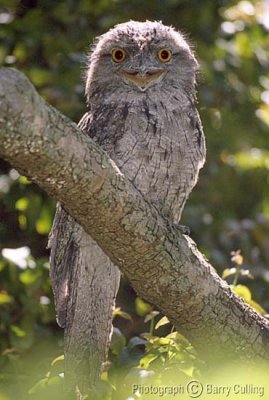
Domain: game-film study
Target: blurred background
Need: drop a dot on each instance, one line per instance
(228, 212)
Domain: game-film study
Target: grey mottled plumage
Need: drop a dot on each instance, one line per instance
(141, 94)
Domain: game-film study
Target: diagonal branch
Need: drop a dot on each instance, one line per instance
(164, 266)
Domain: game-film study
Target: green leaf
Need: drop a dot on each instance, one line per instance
(40, 385)
(44, 222)
(24, 180)
(147, 360)
(188, 370)
(151, 315)
(163, 321)
(180, 339)
(148, 336)
(142, 308)
(18, 331)
(257, 307)
(118, 312)
(22, 221)
(251, 159)
(242, 291)
(57, 359)
(228, 272)
(55, 381)
(22, 204)
(29, 276)
(5, 298)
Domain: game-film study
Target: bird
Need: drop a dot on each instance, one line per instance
(141, 96)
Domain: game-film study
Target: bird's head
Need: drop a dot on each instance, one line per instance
(139, 57)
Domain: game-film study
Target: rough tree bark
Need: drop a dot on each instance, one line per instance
(163, 266)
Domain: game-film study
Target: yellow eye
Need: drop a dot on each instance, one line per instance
(164, 55)
(118, 55)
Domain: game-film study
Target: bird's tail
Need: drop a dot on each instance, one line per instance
(85, 284)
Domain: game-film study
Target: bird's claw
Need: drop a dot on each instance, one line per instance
(185, 230)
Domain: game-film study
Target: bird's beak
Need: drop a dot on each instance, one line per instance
(142, 78)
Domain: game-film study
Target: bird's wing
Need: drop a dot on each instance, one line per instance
(197, 129)
(64, 255)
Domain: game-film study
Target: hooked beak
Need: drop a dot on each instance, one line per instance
(142, 78)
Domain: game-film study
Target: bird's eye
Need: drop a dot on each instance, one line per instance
(164, 55)
(118, 55)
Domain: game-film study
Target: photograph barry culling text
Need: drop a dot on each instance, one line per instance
(205, 388)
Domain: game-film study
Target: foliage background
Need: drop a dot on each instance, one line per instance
(229, 209)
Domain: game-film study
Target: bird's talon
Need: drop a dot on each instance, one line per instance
(185, 230)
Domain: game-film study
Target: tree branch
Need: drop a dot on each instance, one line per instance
(163, 266)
